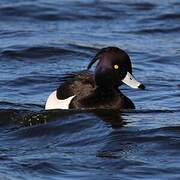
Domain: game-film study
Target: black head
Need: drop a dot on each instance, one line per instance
(114, 68)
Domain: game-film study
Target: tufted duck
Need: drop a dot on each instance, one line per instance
(98, 90)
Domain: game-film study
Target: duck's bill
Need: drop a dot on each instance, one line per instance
(132, 82)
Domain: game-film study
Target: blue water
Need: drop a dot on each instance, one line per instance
(40, 41)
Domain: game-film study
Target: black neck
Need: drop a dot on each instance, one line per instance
(106, 90)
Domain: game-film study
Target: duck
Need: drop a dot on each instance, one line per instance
(98, 89)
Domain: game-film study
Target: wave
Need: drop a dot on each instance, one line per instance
(158, 30)
(33, 80)
(23, 10)
(10, 107)
(170, 16)
(49, 12)
(74, 11)
(143, 6)
(36, 52)
(27, 117)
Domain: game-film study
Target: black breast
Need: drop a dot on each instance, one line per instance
(102, 99)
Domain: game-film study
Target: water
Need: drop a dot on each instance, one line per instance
(42, 40)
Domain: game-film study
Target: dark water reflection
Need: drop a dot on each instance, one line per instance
(42, 40)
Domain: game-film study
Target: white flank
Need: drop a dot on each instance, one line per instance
(131, 81)
(54, 103)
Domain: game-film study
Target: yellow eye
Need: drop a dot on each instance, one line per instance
(116, 66)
